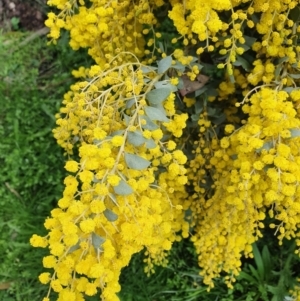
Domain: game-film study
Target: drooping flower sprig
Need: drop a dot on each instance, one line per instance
(195, 135)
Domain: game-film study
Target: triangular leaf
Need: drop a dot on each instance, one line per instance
(164, 64)
(95, 180)
(136, 138)
(111, 216)
(123, 188)
(199, 107)
(151, 144)
(289, 89)
(161, 46)
(165, 84)
(127, 119)
(117, 133)
(150, 125)
(156, 114)
(74, 248)
(296, 76)
(240, 61)
(129, 103)
(157, 96)
(97, 240)
(282, 60)
(178, 66)
(113, 198)
(249, 40)
(147, 69)
(295, 133)
(136, 162)
(200, 91)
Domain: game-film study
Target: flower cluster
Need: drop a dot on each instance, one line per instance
(126, 190)
(254, 168)
(106, 28)
(208, 121)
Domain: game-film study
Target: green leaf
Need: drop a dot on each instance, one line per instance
(278, 70)
(165, 84)
(150, 125)
(219, 119)
(97, 240)
(157, 96)
(249, 40)
(156, 114)
(282, 60)
(129, 103)
(164, 64)
(232, 79)
(212, 91)
(111, 216)
(74, 248)
(127, 119)
(123, 188)
(289, 89)
(200, 91)
(295, 133)
(247, 277)
(254, 273)
(240, 61)
(211, 111)
(266, 257)
(136, 162)
(198, 107)
(150, 144)
(178, 66)
(95, 180)
(259, 262)
(136, 138)
(180, 83)
(47, 111)
(117, 133)
(267, 146)
(113, 198)
(244, 46)
(147, 69)
(295, 14)
(273, 289)
(161, 46)
(195, 117)
(295, 76)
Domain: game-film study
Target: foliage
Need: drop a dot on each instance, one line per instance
(194, 137)
(31, 87)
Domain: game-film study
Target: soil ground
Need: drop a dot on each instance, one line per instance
(28, 14)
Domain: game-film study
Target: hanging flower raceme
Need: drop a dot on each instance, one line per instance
(126, 191)
(107, 28)
(256, 167)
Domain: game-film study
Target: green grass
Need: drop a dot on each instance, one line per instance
(33, 79)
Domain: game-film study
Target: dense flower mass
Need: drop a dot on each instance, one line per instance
(187, 125)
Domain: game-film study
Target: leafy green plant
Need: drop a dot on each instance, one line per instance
(15, 23)
(269, 277)
(178, 281)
